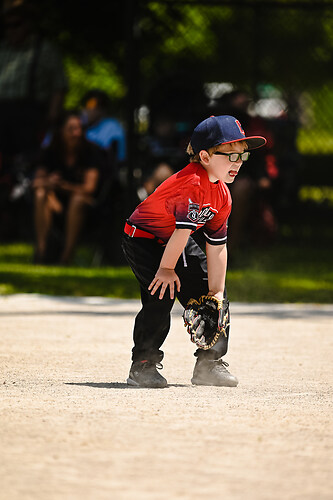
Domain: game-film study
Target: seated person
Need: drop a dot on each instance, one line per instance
(65, 182)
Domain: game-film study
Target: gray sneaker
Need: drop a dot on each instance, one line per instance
(213, 372)
(144, 374)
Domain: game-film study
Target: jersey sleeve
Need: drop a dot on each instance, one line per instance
(184, 205)
(215, 230)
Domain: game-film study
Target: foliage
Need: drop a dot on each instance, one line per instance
(316, 133)
(243, 43)
(246, 43)
(317, 194)
(84, 28)
(95, 72)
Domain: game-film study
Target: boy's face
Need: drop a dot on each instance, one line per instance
(219, 167)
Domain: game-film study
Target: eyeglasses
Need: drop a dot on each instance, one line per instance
(233, 157)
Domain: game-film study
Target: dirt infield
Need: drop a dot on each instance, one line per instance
(71, 428)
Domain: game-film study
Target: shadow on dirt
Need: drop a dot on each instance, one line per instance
(118, 385)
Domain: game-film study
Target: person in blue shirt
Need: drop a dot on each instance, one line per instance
(102, 129)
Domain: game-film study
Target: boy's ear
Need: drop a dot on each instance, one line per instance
(204, 156)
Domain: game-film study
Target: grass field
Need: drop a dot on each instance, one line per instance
(286, 273)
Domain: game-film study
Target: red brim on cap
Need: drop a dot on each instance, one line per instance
(253, 142)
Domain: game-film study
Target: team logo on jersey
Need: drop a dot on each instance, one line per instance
(240, 127)
(193, 210)
(205, 214)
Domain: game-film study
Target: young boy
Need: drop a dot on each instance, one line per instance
(167, 261)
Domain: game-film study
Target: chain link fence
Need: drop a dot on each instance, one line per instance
(168, 64)
(176, 62)
(268, 62)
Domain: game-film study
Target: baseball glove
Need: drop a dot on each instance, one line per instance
(206, 319)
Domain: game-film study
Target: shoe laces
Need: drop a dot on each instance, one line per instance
(221, 364)
(150, 364)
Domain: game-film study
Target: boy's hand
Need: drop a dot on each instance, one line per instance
(164, 278)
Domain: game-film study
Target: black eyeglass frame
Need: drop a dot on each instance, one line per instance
(239, 155)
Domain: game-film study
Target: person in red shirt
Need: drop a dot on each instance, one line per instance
(166, 259)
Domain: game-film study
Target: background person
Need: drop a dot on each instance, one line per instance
(65, 183)
(32, 89)
(103, 129)
(107, 132)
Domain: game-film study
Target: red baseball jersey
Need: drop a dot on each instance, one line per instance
(186, 200)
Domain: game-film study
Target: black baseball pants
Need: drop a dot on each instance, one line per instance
(152, 323)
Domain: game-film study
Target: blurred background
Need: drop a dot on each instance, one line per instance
(138, 76)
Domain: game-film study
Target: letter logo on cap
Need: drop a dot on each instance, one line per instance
(240, 127)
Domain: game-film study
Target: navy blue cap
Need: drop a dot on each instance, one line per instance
(222, 129)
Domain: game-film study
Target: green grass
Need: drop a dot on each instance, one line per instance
(19, 275)
(285, 273)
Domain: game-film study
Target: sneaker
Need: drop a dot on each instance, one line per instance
(213, 372)
(144, 374)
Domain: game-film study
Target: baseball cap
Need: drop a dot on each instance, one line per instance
(222, 129)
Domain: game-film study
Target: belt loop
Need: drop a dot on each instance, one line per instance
(132, 233)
